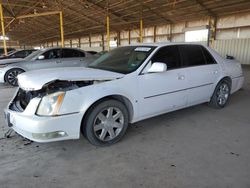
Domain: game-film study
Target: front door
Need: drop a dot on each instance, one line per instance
(52, 59)
(166, 91)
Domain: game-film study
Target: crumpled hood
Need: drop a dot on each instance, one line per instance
(10, 61)
(35, 80)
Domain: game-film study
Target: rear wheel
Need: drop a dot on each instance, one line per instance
(11, 76)
(221, 94)
(106, 123)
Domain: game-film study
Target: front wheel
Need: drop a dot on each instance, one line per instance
(11, 76)
(106, 123)
(221, 94)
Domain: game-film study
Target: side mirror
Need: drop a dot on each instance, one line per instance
(40, 57)
(157, 67)
(230, 57)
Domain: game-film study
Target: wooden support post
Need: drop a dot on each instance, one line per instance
(212, 31)
(141, 30)
(90, 40)
(170, 32)
(79, 42)
(103, 45)
(61, 29)
(129, 36)
(154, 34)
(70, 43)
(108, 34)
(118, 38)
(3, 30)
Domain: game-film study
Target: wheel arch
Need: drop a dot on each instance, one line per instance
(124, 100)
(11, 69)
(227, 78)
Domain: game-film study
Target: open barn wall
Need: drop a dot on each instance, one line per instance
(231, 32)
(228, 27)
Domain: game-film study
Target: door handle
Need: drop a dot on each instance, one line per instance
(58, 61)
(181, 77)
(215, 72)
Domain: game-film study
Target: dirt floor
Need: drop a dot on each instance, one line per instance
(194, 147)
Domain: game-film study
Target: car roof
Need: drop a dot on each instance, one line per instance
(160, 44)
(61, 48)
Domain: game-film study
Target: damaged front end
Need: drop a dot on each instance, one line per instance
(23, 97)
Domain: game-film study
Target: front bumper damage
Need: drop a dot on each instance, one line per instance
(21, 116)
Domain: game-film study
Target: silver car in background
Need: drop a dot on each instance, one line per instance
(43, 59)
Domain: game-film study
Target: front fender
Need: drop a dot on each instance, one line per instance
(81, 99)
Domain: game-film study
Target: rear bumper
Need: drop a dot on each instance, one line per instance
(45, 129)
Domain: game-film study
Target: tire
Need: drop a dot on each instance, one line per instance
(221, 94)
(105, 123)
(11, 76)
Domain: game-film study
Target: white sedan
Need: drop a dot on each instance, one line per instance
(124, 86)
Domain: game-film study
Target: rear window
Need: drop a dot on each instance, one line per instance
(208, 57)
(67, 53)
(192, 55)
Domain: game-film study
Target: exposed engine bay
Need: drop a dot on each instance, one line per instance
(23, 97)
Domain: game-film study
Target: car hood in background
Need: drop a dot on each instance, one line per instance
(10, 61)
(35, 80)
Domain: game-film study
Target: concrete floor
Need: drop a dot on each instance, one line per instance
(194, 147)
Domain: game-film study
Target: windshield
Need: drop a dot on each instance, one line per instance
(32, 55)
(123, 59)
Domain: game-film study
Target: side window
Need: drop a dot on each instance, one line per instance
(81, 54)
(168, 55)
(209, 58)
(28, 52)
(52, 54)
(72, 53)
(192, 55)
(20, 54)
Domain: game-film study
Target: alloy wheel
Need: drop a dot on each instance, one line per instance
(12, 77)
(223, 94)
(108, 123)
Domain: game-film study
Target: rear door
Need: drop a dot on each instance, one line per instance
(165, 91)
(201, 72)
(72, 58)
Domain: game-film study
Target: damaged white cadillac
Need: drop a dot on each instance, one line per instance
(124, 86)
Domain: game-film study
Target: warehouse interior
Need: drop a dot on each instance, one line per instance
(194, 147)
(28, 23)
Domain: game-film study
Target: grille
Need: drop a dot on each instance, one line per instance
(22, 100)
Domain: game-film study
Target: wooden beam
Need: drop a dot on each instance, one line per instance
(164, 18)
(38, 14)
(110, 12)
(209, 12)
